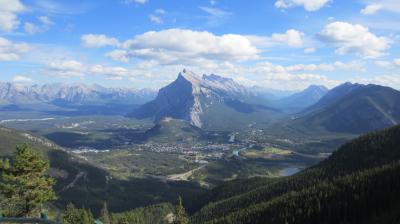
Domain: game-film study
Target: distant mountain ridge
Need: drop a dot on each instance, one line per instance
(354, 108)
(303, 99)
(16, 93)
(194, 98)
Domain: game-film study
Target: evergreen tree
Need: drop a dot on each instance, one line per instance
(181, 216)
(104, 214)
(73, 215)
(24, 184)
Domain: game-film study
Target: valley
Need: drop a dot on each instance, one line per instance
(217, 132)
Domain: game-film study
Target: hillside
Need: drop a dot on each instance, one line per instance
(357, 184)
(207, 102)
(354, 108)
(86, 185)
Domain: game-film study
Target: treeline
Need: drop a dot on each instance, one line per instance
(155, 214)
(358, 182)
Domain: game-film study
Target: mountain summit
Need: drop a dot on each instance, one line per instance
(303, 99)
(192, 98)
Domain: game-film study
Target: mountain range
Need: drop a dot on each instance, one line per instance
(58, 93)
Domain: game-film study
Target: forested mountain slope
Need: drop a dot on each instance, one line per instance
(358, 184)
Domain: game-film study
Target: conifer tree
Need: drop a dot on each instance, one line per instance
(181, 216)
(104, 214)
(24, 184)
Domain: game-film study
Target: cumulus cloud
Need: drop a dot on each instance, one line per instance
(8, 14)
(98, 40)
(19, 78)
(374, 6)
(354, 38)
(10, 51)
(309, 5)
(291, 38)
(72, 68)
(181, 45)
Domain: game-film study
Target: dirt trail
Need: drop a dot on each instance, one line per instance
(184, 176)
(73, 182)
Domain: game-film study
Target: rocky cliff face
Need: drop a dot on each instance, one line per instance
(188, 96)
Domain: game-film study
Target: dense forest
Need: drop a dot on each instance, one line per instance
(358, 184)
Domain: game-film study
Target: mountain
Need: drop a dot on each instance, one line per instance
(357, 184)
(301, 100)
(21, 94)
(172, 130)
(203, 100)
(354, 108)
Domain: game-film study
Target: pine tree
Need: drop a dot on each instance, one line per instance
(181, 216)
(71, 215)
(24, 183)
(104, 214)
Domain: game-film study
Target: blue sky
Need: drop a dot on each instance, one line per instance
(277, 44)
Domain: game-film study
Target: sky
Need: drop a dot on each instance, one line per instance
(274, 44)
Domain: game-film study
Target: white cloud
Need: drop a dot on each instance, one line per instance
(119, 55)
(31, 28)
(10, 51)
(216, 16)
(374, 6)
(157, 16)
(268, 67)
(44, 25)
(67, 68)
(98, 40)
(371, 9)
(45, 20)
(395, 63)
(354, 38)
(160, 11)
(72, 68)
(8, 14)
(142, 2)
(19, 78)
(291, 38)
(156, 19)
(309, 50)
(309, 5)
(180, 46)
(384, 80)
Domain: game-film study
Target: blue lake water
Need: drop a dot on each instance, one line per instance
(289, 171)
